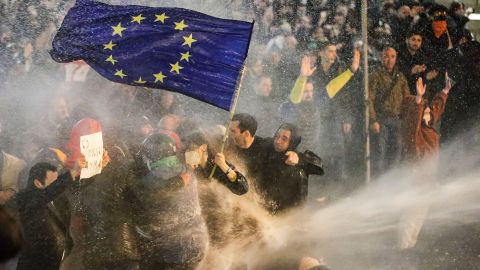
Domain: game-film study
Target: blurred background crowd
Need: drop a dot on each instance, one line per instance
(41, 99)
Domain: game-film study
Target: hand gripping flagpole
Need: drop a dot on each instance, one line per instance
(232, 113)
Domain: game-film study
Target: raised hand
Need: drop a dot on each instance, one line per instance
(356, 60)
(306, 69)
(448, 84)
(421, 88)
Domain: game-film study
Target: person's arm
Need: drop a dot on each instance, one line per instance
(227, 175)
(306, 70)
(411, 115)
(439, 101)
(50, 193)
(311, 163)
(372, 95)
(337, 84)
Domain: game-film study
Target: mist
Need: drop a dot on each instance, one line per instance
(352, 230)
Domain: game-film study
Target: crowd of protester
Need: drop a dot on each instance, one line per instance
(303, 84)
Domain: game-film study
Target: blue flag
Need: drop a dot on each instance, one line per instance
(168, 48)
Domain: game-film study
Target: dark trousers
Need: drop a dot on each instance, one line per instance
(386, 146)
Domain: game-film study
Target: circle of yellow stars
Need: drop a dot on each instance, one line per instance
(175, 68)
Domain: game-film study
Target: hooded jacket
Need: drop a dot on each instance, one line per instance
(284, 186)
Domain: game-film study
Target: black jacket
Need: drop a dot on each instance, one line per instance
(284, 186)
(239, 187)
(44, 232)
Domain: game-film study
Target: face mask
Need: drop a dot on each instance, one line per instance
(192, 158)
(439, 28)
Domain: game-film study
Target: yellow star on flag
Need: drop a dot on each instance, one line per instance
(159, 77)
(120, 73)
(185, 56)
(188, 41)
(117, 30)
(111, 60)
(180, 25)
(140, 81)
(109, 46)
(138, 19)
(176, 67)
(161, 18)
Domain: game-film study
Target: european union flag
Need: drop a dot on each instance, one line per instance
(168, 48)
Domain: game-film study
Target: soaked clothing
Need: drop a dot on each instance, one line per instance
(212, 204)
(252, 156)
(172, 229)
(107, 209)
(238, 187)
(284, 186)
(43, 231)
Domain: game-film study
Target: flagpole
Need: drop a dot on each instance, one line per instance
(232, 113)
(364, 23)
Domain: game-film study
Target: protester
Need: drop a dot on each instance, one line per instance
(172, 230)
(217, 210)
(388, 88)
(245, 145)
(43, 229)
(103, 207)
(284, 181)
(420, 147)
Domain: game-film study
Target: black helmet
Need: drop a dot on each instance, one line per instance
(158, 146)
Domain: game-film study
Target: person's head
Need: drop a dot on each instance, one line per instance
(414, 41)
(427, 116)
(457, 9)
(389, 58)
(144, 127)
(169, 122)
(58, 110)
(286, 138)
(328, 53)
(157, 147)
(42, 174)
(166, 99)
(403, 12)
(264, 87)
(197, 149)
(439, 16)
(308, 92)
(242, 129)
(257, 67)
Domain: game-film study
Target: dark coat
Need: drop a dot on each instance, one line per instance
(172, 228)
(43, 230)
(108, 207)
